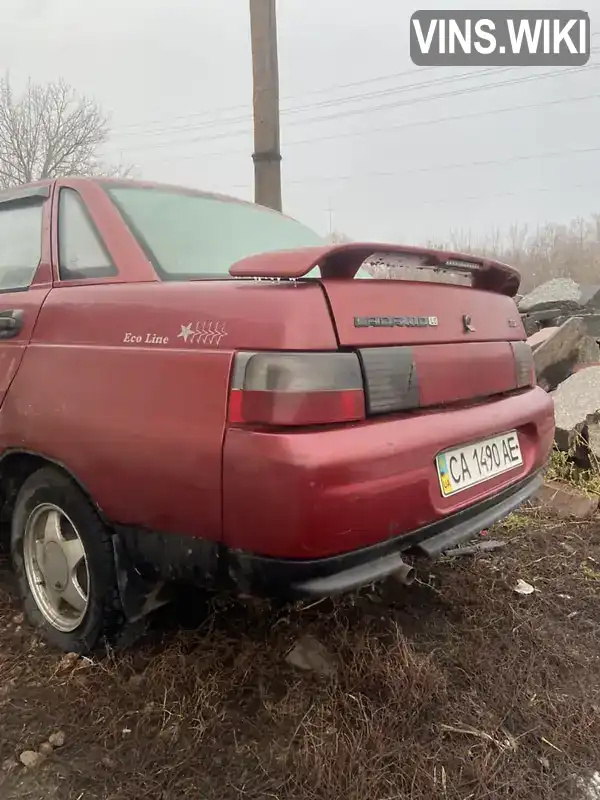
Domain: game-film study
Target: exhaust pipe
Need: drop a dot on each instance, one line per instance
(405, 574)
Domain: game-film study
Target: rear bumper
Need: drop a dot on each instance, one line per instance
(313, 494)
(297, 579)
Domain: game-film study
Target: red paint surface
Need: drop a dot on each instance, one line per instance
(317, 493)
(490, 313)
(143, 426)
(449, 373)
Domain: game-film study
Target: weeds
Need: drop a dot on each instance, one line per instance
(465, 691)
(562, 467)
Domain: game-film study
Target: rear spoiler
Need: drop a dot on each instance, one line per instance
(344, 261)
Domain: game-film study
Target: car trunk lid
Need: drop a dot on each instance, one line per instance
(421, 343)
(370, 313)
(426, 344)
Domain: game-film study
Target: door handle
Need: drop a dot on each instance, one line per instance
(11, 322)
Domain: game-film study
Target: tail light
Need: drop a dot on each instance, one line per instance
(524, 364)
(296, 389)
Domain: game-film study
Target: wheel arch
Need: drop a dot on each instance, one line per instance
(16, 465)
(138, 596)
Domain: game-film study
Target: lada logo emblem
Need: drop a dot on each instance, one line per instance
(468, 324)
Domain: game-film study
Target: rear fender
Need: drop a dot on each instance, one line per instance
(139, 595)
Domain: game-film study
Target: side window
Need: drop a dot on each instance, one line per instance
(20, 243)
(81, 253)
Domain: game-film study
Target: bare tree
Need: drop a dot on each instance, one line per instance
(337, 237)
(550, 251)
(49, 131)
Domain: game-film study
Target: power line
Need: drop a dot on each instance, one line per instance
(324, 90)
(402, 126)
(531, 190)
(438, 120)
(354, 112)
(455, 93)
(442, 167)
(326, 103)
(454, 198)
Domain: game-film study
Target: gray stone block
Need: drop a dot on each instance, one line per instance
(590, 297)
(555, 358)
(575, 401)
(588, 351)
(565, 501)
(557, 292)
(539, 337)
(592, 324)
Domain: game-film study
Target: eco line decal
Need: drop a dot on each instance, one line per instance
(145, 338)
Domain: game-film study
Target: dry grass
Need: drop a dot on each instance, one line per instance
(458, 688)
(563, 467)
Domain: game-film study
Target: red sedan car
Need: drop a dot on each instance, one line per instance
(199, 389)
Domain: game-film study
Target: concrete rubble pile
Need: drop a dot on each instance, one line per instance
(562, 321)
(555, 301)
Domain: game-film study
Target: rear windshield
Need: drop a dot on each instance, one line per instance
(195, 236)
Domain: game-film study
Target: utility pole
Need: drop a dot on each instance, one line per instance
(265, 72)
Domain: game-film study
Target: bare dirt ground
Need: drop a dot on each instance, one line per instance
(456, 688)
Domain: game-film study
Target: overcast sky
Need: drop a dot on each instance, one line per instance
(175, 77)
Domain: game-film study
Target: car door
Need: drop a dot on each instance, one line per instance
(25, 273)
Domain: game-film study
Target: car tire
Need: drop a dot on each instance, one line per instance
(64, 564)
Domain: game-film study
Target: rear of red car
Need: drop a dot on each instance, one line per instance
(363, 418)
(422, 428)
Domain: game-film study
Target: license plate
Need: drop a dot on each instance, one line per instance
(466, 466)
